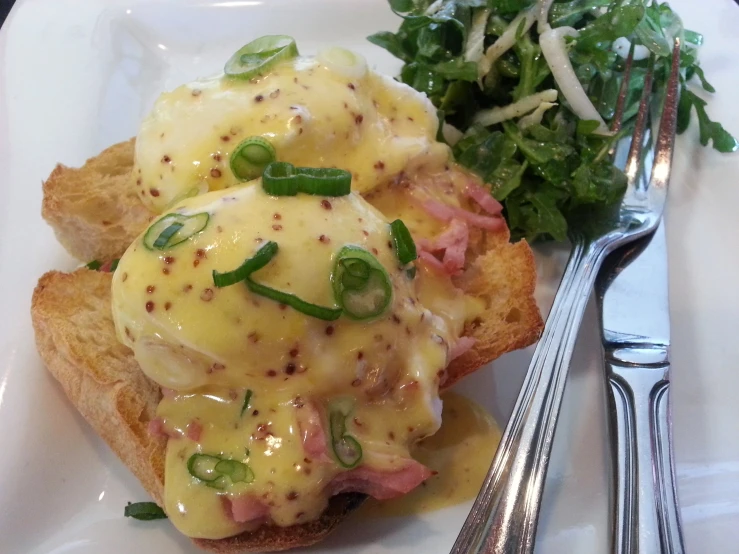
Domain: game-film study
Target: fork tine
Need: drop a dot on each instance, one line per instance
(633, 163)
(623, 93)
(668, 125)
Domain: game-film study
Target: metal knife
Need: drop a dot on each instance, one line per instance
(632, 296)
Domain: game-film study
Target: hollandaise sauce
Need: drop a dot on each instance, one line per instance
(460, 453)
(269, 410)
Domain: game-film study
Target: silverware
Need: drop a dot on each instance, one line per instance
(504, 516)
(635, 327)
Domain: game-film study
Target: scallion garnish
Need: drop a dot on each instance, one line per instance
(278, 179)
(216, 471)
(346, 448)
(324, 181)
(360, 283)
(165, 235)
(262, 257)
(173, 229)
(405, 248)
(284, 179)
(260, 55)
(144, 511)
(94, 265)
(313, 310)
(247, 400)
(250, 157)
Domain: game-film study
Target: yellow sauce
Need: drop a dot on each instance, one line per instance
(313, 115)
(461, 452)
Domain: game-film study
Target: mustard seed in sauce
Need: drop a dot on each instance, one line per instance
(258, 98)
(380, 165)
(154, 192)
(290, 368)
(351, 86)
(166, 159)
(374, 251)
(150, 306)
(215, 173)
(356, 382)
(277, 216)
(206, 295)
(168, 260)
(275, 93)
(196, 263)
(187, 288)
(216, 157)
(225, 138)
(324, 239)
(200, 253)
(271, 373)
(330, 330)
(165, 270)
(167, 305)
(150, 289)
(196, 92)
(325, 204)
(292, 495)
(294, 352)
(277, 227)
(358, 119)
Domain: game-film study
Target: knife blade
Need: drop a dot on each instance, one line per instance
(632, 295)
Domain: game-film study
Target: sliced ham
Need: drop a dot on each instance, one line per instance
(310, 423)
(445, 212)
(193, 431)
(245, 509)
(157, 429)
(483, 197)
(453, 242)
(432, 261)
(379, 484)
(462, 345)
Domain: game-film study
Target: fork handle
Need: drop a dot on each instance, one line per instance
(504, 516)
(646, 515)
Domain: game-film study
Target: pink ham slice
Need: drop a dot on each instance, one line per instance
(483, 198)
(245, 509)
(453, 241)
(193, 431)
(157, 429)
(379, 484)
(314, 438)
(445, 212)
(462, 345)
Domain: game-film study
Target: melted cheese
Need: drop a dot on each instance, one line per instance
(460, 452)
(314, 116)
(211, 345)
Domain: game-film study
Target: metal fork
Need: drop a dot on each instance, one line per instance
(504, 516)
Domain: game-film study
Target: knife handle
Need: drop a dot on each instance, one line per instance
(647, 519)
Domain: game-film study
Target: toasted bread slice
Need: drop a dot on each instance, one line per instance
(76, 338)
(95, 210)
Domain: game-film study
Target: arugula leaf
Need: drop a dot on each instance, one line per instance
(710, 131)
(556, 173)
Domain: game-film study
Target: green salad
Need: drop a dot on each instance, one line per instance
(527, 90)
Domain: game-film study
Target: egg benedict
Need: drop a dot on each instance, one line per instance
(324, 111)
(313, 268)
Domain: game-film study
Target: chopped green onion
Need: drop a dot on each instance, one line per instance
(144, 511)
(203, 467)
(279, 179)
(94, 265)
(405, 248)
(216, 472)
(324, 181)
(313, 310)
(250, 157)
(346, 448)
(173, 229)
(262, 257)
(247, 400)
(284, 179)
(260, 55)
(165, 235)
(361, 284)
(114, 265)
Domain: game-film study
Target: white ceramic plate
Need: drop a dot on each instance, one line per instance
(77, 76)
